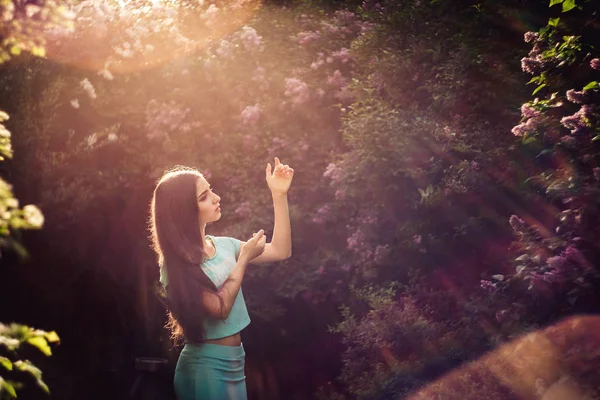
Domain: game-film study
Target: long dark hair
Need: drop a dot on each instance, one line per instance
(179, 245)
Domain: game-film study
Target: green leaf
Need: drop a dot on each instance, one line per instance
(553, 22)
(592, 85)
(52, 337)
(28, 367)
(555, 2)
(7, 387)
(568, 5)
(539, 88)
(529, 139)
(41, 344)
(6, 363)
(545, 151)
(595, 138)
(498, 277)
(520, 268)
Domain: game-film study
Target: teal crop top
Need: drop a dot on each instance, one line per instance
(218, 268)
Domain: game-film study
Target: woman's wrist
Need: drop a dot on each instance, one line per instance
(277, 195)
(243, 260)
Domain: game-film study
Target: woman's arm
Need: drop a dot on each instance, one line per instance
(218, 305)
(280, 247)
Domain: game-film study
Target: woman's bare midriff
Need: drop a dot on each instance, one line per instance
(233, 340)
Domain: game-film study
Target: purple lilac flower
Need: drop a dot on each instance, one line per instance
(337, 79)
(530, 36)
(381, 253)
(531, 125)
(553, 276)
(357, 241)
(330, 171)
(517, 224)
(576, 97)
(344, 16)
(530, 65)
(297, 90)
(250, 39)
(343, 55)
(579, 121)
(305, 38)
(557, 262)
(329, 29)
(574, 254)
(595, 63)
(317, 64)
(528, 111)
(225, 49)
(323, 214)
(251, 114)
(368, 219)
(488, 286)
(417, 239)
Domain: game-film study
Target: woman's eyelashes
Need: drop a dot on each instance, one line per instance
(204, 196)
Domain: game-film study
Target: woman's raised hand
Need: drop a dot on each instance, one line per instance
(280, 179)
(254, 246)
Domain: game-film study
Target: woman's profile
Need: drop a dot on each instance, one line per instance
(202, 276)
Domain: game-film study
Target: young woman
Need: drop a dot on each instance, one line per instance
(202, 275)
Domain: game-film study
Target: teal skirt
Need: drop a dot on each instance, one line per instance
(210, 372)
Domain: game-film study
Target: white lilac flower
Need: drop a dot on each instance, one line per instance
(91, 140)
(106, 74)
(88, 88)
(33, 215)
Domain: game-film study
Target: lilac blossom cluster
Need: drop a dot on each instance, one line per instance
(333, 172)
(296, 90)
(250, 114)
(357, 243)
(517, 224)
(382, 253)
(163, 118)
(323, 214)
(579, 122)
(250, 39)
(532, 121)
(88, 88)
(577, 97)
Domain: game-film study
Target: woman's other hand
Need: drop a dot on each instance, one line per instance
(254, 246)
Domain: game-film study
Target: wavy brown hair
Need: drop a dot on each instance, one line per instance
(178, 242)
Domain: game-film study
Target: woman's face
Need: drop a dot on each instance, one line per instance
(208, 202)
